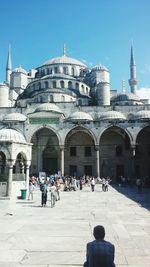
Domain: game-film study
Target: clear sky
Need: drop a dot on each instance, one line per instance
(95, 31)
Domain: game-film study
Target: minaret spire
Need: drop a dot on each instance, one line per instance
(132, 80)
(8, 66)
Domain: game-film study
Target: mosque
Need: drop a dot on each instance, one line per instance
(63, 117)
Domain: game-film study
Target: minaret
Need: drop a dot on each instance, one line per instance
(132, 80)
(8, 67)
(64, 50)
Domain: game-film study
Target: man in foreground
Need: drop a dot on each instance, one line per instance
(99, 253)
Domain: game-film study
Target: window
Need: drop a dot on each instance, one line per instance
(73, 151)
(70, 85)
(51, 98)
(65, 70)
(87, 151)
(54, 84)
(82, 88)
(77, 86)
(47, 71)
(119, 151)
(46, 84)
(62, 84)
(72, 71)
(55, 70)
(148, 150)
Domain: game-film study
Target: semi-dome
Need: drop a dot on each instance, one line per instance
(64, 60)
(48, 107)
(14, 117)
(99, 67)
(112, 115)
(20, 70)
(80, 116)
(142, 115)
(11, 135)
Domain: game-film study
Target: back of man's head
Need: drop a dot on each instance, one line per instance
(99, 232)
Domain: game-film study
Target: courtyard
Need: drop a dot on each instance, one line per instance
(31, 235)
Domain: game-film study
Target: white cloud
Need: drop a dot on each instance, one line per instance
(144, 93)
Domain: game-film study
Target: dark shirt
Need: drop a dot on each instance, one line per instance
(100, 253)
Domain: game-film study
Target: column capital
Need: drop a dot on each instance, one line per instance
(62, 147)
(10, 163)
(97, 147)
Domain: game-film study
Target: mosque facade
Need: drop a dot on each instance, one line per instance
(63, 117)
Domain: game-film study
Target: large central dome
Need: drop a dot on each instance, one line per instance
(64, 60)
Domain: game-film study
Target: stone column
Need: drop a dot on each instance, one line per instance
(27, 178)
(9, 181)
(97, 161)
(133, 148)
(62, 149)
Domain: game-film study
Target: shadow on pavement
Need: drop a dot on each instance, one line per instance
(142, 198)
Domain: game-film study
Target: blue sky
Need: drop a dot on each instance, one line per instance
(94, 31)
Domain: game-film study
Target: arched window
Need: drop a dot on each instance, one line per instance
(62, 85)
(39, 84)
(46, 84)
(62, 98)
(40, 99)
(87, 90)
(51, 98)
(56, 70)
(72, 71)
(47, 71)
(77, 86)
(70, 84)
(82, 88)
(65, 70)
(54, 84)
(50, 71)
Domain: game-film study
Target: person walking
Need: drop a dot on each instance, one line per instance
(31, 190)
(43, 188)
(92, 184)
(53, 194)
(99, 253)
(103, 184)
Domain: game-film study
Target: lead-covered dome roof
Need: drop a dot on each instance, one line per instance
(20, 70)
(99, 67)
(112, 115)
(11, 135)
(141, 115)
(14, 117)
(64, 60)
(80, 116)
(48, 107)
(125, 97)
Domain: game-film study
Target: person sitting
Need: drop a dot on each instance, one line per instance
(99, 253)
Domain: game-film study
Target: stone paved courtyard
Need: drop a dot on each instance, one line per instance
(31, 235)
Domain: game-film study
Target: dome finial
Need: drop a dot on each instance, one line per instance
(64, 50)
(123, 87)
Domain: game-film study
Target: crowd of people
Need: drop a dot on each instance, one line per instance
(54, 183)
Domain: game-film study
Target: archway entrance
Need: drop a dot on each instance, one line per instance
(115, 154)
(142, 153)
(45, 152)
(80, 157)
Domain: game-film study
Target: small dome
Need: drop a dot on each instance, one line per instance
(64, 60)
(48, 107)
(80, 116)
(125, 97)
(20, 70)
(142, 115)
(11, 135)
(112, 115)
(99, 67)
(12, 117)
